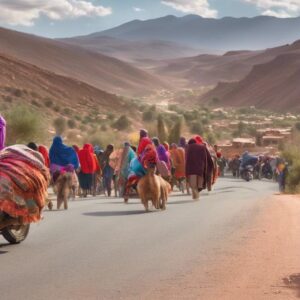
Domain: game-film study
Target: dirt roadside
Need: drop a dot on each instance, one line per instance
(265, 264)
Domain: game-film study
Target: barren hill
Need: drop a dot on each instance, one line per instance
(101, 71)
(209, 70)
(25, 83)
(273, 85)
(132, 51)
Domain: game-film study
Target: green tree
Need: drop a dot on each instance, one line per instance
(175, 132)
(161, 129)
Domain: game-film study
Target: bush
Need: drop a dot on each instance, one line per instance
(8, 99)
(35, 103)
(48, 103)
(111, 116)
(60, 125)
(67, 111)
(56, 108)
(292, 157)
(18, 93)
(71, 124)
(196, 127)
(122, 123)
(297, 126)
(24, 125)
(149, 115)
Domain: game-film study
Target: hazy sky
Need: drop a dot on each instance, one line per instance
(60, 18)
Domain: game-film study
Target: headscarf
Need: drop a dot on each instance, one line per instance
(198, 139)
(62, 155)
(87, 160)
(182, 142)
(149, 157)
(166, 145)
(32, 146)
(156, 141)
(2, 132)
(163, 154)
(192, 141)
(44, 151)
(142, 145)
(143, 133)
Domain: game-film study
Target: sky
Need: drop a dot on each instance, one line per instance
(66, 18)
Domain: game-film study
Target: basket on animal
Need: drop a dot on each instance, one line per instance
(24, 180)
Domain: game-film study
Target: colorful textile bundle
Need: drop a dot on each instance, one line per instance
(24, 180)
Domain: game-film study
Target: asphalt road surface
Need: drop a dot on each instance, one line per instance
(104, 249)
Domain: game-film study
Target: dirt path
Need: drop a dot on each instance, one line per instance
(264, 265)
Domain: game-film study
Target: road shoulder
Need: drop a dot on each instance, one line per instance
(263, 264)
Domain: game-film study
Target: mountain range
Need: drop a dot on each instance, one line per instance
(140, 58)
(211, 34)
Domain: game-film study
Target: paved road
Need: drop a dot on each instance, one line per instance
(104, 249)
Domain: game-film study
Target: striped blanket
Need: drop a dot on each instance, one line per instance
(24, 180)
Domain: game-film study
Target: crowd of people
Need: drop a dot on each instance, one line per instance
(191, 166)
(262, 166)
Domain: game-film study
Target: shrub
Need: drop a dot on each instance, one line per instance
(103, 127)
(24, 125)
(297, 126)
(67, 111)
(8, 99)
(59, 125)
(149, 115)
(210, 138)
(71, 124)
(35, 103)
(122, 123)
(196, 127)
(292, 157)
(111, 116)
(56, 108)
(48, 102)
(18, 93)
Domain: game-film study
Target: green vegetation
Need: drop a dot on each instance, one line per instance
(122, 123)
(24, 125)
(292, 156)
(60, 125)
(48, 103)
(150, 114)
(175, 132)
(161, 129)
(71, 123)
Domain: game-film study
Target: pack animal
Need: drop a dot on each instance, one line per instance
(63, 187)
(149, 189)
(165, 189)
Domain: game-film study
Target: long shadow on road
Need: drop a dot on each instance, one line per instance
(114, 213)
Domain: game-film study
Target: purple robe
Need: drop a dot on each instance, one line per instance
(2, 132)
